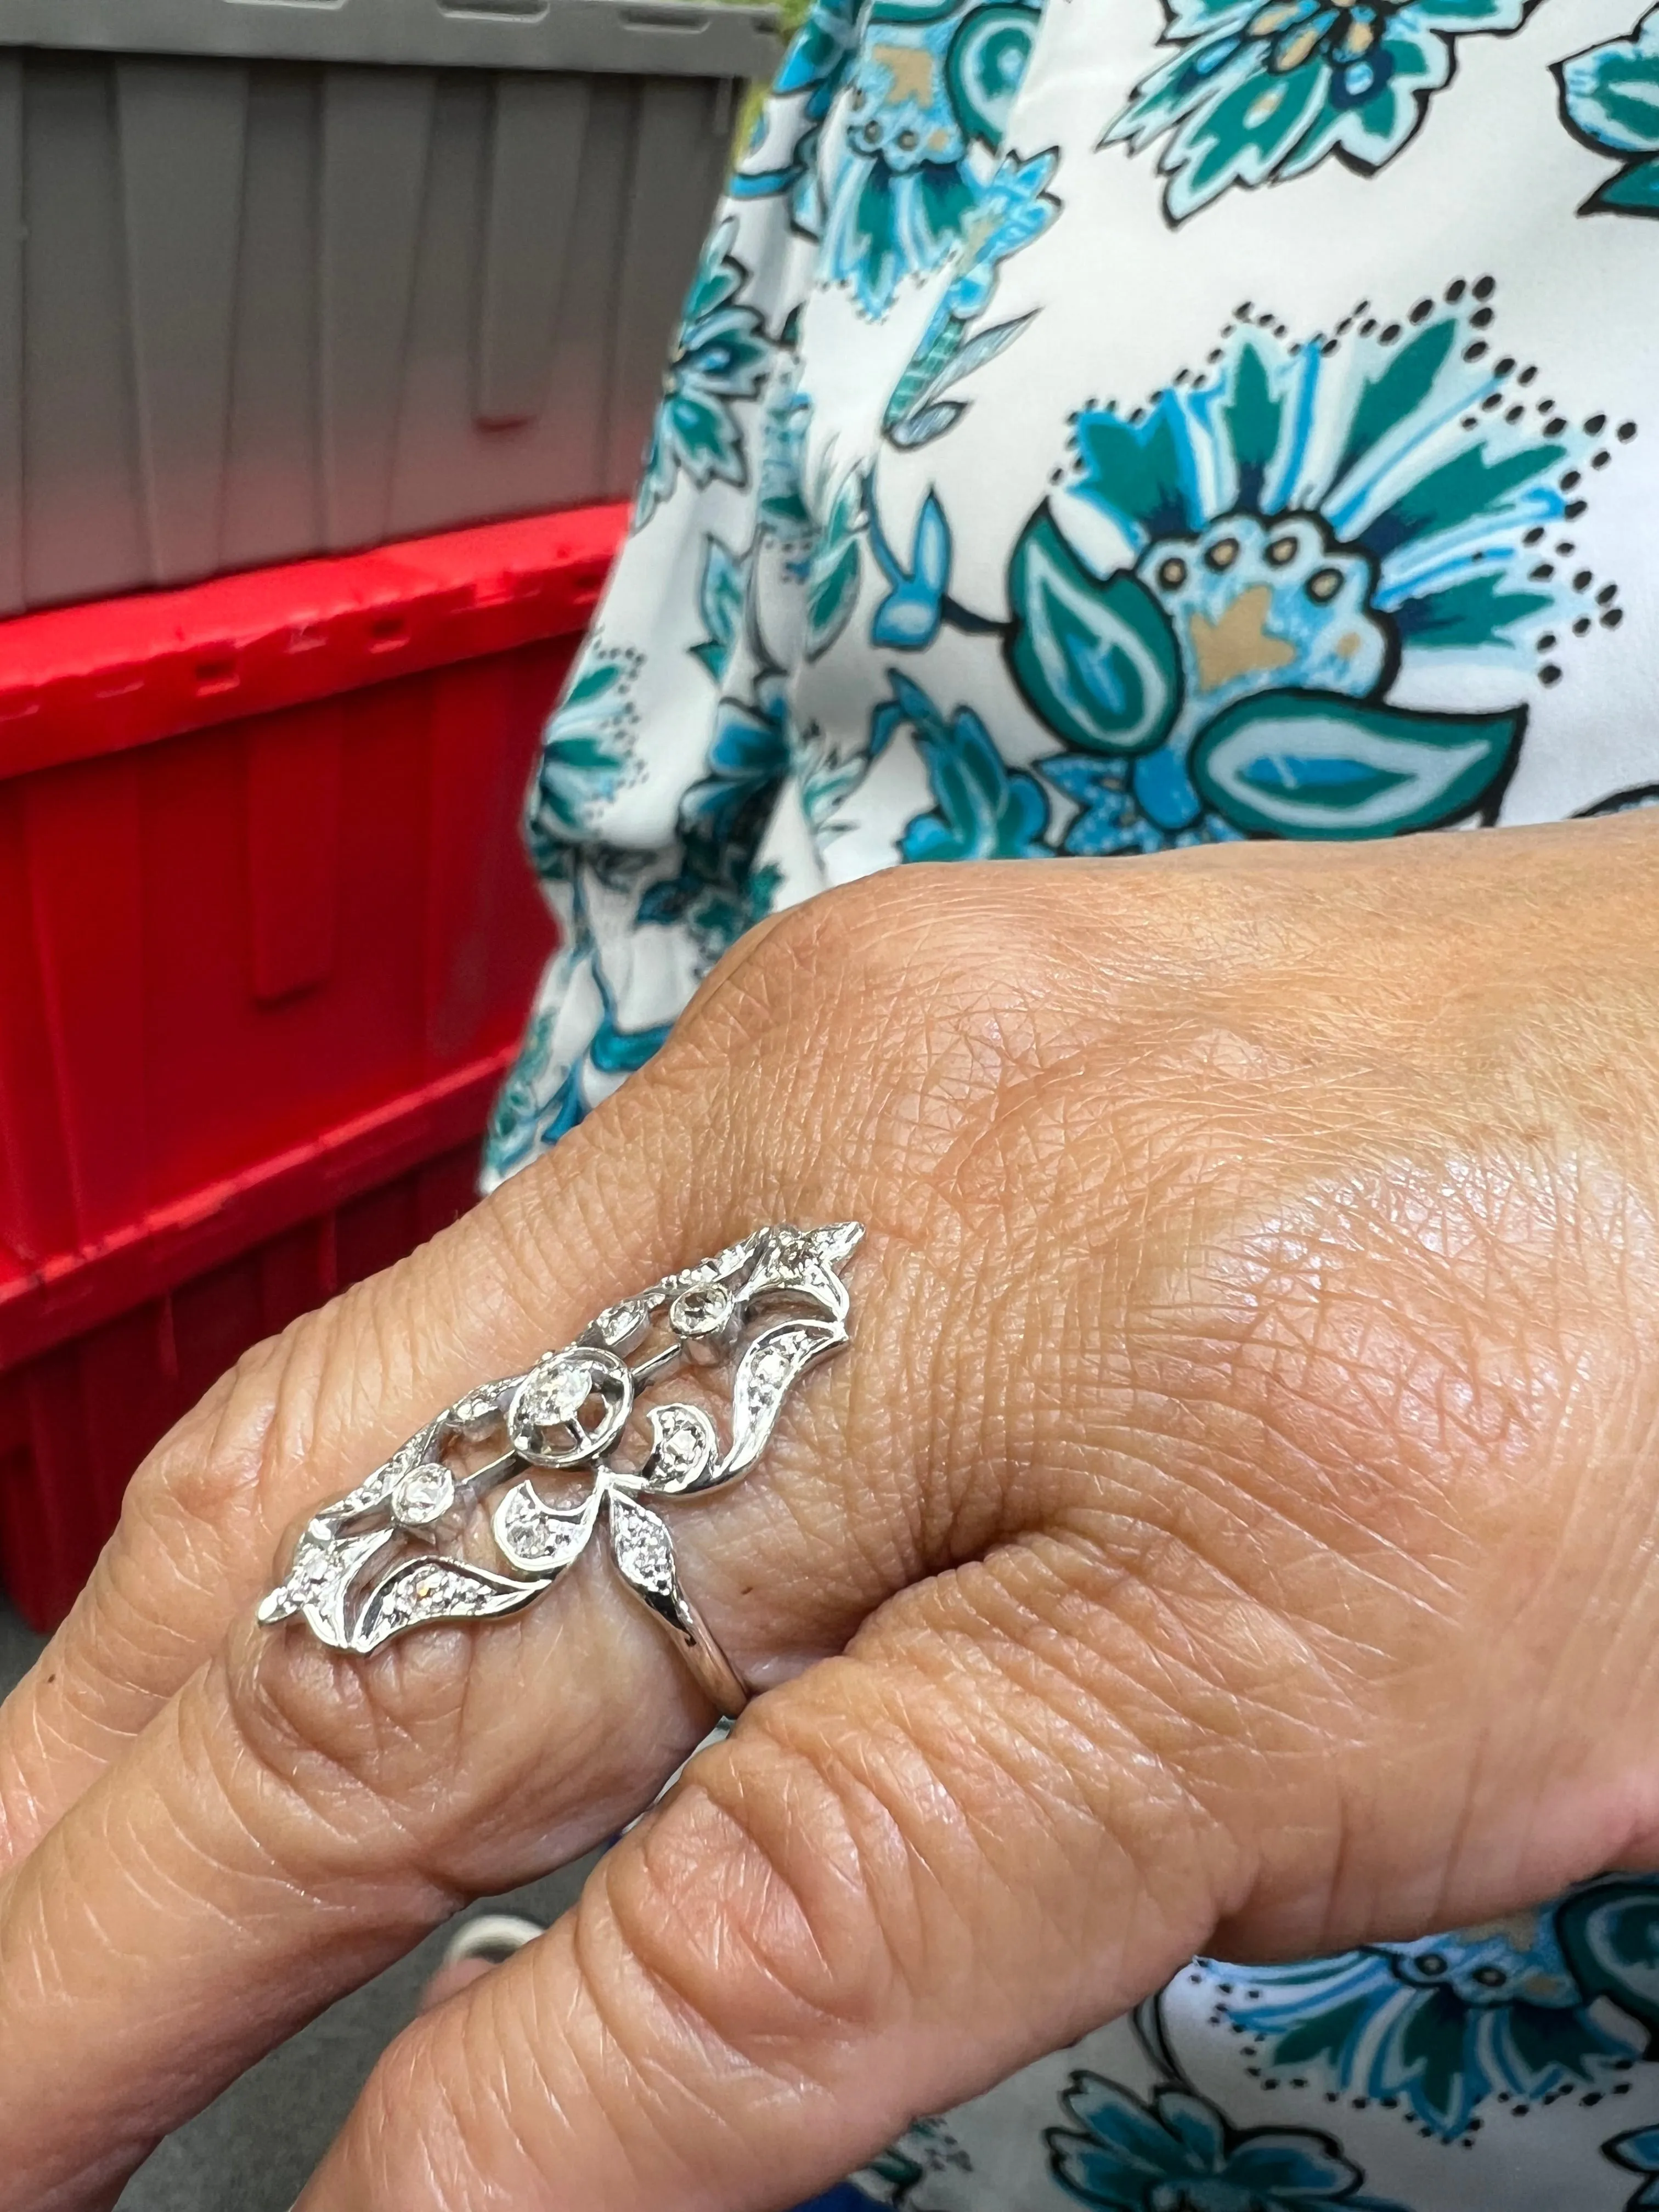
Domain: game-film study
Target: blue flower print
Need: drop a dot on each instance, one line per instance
(1564, 1997)
(927, 97)
(832, 571)
(722, 595)
(1638, 2153)
(718, 892)
(720, 357)
(1133, 807)
(1178, 2154)
(1265, 89)
(926, 2148)
(1610, 99)
(524, 1116)
(914, 604)
(982, 809)
(544, 1097)
(1303, 531)
(803, 92)
(1017, 208)
(781, 513)
(585, 755)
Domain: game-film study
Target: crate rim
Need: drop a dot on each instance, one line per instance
(638, 38)
(77, 682)
(45, 1305)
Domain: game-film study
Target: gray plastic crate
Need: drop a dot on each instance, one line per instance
(279, 277)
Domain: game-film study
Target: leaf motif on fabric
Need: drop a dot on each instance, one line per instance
(1095, 658)
(1303, 765)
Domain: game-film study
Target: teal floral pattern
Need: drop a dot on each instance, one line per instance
(721, 357)
(813, 70)
(1261, 91)
(1610, 98)
(1526, 2008)
(883, 131)
(1017, 208)
(1638, 2152)
(982, 808)
(1179, 2153)
(584, 759)
(922, 115)
(531, 1112)
(718, 891)
(1306, 532)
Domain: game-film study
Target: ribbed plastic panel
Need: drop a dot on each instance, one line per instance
(649, 38)
(253, 310)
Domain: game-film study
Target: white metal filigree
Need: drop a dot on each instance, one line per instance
(398, 1552)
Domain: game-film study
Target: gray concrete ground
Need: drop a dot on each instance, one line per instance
(251, 2151)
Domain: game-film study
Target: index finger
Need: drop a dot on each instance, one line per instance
(305, 1415)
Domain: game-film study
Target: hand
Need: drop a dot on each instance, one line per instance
(1241, 1481)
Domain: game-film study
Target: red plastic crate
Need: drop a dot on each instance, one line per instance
(266, 945)
(257, 858)
(76, 1420)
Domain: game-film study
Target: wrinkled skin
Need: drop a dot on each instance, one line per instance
(1240, 1498)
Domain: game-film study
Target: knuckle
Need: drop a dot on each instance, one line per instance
(892, 1018)
(856, 948)
(210, 1466)
(745, 1915)
(355, 1745)
(203, 1514)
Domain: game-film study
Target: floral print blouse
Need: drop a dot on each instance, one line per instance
(1103, 425)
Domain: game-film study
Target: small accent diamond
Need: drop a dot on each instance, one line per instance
(774, 1364)
(681, 1444)
(310, 1578)
(482, 1404)
(642, 1549)
(617, 1324)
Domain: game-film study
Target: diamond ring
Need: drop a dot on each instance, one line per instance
(402, 1551)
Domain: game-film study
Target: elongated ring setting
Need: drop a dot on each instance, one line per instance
(399, 1551)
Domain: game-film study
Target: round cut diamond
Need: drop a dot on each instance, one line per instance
(423, 1496)
(772, 1365)
(681, 1444)
(556, 1397)
(702, 1311)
